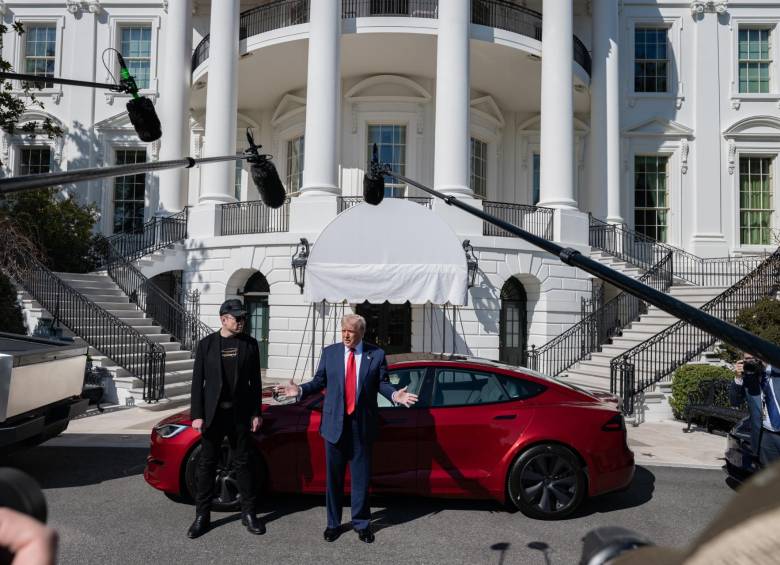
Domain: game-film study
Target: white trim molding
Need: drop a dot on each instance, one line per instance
(114, 25)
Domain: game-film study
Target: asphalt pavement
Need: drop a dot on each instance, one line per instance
(106, 513)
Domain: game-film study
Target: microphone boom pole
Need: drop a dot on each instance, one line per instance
(48, 180)
(725, 331)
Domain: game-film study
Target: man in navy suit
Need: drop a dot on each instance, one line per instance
(353, 372)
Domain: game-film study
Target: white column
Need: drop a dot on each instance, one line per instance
(557, 127)
(221, 102)
(323, 100)
(174, 103)
(707, 238)
(451, 152)
(605, 113)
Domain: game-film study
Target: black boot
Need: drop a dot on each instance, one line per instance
(253, 524)
(200, 526)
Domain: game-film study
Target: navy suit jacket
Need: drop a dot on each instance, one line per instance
(372, 379)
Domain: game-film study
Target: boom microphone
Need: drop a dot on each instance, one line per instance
(374, 180)
(264, 176)
(139, 108)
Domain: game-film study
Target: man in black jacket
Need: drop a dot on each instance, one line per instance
(226, 401)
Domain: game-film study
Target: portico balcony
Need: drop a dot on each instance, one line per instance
(499, 14)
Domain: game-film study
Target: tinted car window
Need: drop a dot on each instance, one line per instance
(518, 389)
(457, 387)
(411, 378)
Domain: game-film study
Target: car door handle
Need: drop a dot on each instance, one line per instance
(505, 417)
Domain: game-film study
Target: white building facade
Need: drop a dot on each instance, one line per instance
(664, 116)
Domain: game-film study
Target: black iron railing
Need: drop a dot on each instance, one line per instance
(174, 319)
(253, 217)
(345, 202)
(582, 55)
(143, 358)
(651, 361)
(155, 234)
(501, 14)
(597, 328)
(643, 252)
(260, 19)
(534, 219)
(378, 8)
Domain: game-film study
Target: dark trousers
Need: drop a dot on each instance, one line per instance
(350, 449)
(239, 438)
(770, 447)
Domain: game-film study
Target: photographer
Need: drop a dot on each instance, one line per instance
(747, 386)
(769, 450)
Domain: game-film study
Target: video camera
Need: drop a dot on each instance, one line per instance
(20, 492)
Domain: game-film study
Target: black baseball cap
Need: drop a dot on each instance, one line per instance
(233, 307)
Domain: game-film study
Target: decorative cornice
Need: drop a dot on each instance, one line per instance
(700, 7)
(684, 149)
(73, 6)
(165, 6)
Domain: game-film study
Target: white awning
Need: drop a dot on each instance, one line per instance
(398, 251)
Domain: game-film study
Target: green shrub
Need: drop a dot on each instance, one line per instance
(762, 319)
(685, 382)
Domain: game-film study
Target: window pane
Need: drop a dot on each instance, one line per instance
(411, 378)
(462, 388)
(755, 200)
(294, 176)
(478, 163)
(391, 141)
(129, 194)
(34, 160)
(40, 47)
(650, 60)
(136, 47)
(651, 196)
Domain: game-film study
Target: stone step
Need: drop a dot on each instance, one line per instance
(116, 306)
(165, 404)
(107, 298)
(172, 379)
(137, 322)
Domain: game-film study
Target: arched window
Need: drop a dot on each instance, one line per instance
(513, 327)
(256, 292)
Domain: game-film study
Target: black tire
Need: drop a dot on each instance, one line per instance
(547, 482)
(226, 495)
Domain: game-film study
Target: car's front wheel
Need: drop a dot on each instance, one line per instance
(226, 494)
(547, 482)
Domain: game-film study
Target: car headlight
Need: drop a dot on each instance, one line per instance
(168, 431)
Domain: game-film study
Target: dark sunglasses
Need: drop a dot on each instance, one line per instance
(239, 318)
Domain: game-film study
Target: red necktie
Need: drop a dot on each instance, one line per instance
(350, 383)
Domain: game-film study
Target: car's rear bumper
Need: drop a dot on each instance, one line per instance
(610, 470)
(44, 423)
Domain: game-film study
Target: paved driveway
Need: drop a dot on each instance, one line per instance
(106, 513)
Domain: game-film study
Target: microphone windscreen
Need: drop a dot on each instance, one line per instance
(269, 185)
(373, 188)
(144, 119)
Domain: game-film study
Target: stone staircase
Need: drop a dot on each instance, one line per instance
(615, 263)
(99, 288)
(594, 373)
(171, 258)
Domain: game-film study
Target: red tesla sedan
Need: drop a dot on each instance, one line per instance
(480, 429)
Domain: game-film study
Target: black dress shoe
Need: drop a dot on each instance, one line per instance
(365, 535)
(253, 524)
(200, 526)
(331, 534)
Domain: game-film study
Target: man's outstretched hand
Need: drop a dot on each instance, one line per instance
(290, 389)
(404, 397)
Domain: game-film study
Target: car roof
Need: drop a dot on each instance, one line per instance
(457, 359)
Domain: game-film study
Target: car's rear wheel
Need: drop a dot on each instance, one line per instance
(547, 482)
(226, 494)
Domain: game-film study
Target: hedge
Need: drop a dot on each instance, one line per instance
(686, 379)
